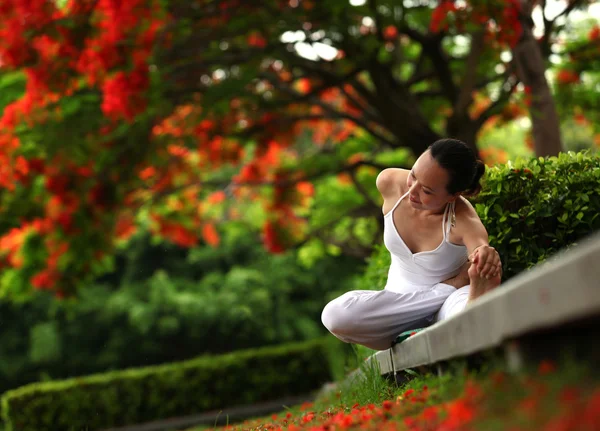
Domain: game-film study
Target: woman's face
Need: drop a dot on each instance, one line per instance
(427, 184)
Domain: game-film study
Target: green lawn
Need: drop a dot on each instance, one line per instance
(551, 396)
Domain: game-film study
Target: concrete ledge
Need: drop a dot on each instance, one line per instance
(563, 289)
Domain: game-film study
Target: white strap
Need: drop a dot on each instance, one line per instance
(450, 218)
(396, 204)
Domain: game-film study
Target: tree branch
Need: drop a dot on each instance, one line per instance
(319, 232)
(227, 185)
(433, 48)
(504, 96)
(418, 74)
(344, 115)
(428, 93)
(545, 44)
(470, 77)
(413, 34)
(377, 20)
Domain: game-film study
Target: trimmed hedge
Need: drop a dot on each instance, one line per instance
(140, 395)
(531, 209)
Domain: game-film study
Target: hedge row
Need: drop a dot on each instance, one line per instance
(531, 209)
(140, 395)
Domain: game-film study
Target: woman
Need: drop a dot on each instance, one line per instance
(441, 258)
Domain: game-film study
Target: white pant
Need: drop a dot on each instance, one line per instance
(375, 318)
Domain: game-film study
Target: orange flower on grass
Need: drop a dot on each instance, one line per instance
(546, 367)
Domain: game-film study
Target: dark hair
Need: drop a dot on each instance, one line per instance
(462, 165)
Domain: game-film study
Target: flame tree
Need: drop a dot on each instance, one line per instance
(180, 115)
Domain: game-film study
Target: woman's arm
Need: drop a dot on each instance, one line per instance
(475, 238)
(391, 183)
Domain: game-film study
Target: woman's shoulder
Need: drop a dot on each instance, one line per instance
(465, 211)
(391, 182)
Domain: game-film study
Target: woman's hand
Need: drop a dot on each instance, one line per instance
(487, 260)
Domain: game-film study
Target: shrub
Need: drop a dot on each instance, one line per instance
(531, 209)
(139, 395)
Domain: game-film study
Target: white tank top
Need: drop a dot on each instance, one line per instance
(420, 271)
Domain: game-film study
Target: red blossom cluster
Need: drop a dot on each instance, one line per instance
(106, 46)
(501, 20)
(565, 77)
(441, 15)
(43, 40)
(214, 150)
(57, 223)
(175, 232)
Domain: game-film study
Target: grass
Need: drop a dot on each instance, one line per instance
(563, 396)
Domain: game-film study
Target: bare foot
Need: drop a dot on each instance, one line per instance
(481, 285)
(460, 280)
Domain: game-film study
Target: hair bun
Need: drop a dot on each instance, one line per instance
(475, 184)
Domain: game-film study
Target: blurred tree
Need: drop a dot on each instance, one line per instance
(172, 303)
(531, 70)
(576, 84)
(164, 113)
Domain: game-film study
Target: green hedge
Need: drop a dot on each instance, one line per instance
(140, 395)
(531, 209)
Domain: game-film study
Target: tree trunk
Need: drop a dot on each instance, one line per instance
(460, 125)
(531, 72)
(466, 130)
(400, 111)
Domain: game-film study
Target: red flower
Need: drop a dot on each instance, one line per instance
(308, 417)
(271, 239)
(57, 184)
(546, 367)
(45, 279)
(408, 393)
(569, 395)
(564, 77)
(123, 93)
(460, 412)
(591, 416)
(390, 32)
(430, 414)
(256, 40)
(210, 234)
